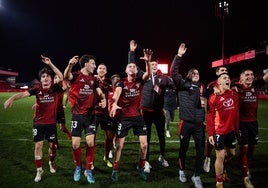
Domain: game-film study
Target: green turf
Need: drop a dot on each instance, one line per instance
(17, 168)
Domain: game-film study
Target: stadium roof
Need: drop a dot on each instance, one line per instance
(8, 73)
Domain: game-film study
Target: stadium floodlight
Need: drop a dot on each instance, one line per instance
(222, 10)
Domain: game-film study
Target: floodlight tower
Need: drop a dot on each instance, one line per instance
(222, 10)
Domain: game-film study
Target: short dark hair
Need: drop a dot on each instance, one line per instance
(224, 73)
(85, 59)
(102, 64)
(115, 75)
(218, 68)
(244, 70)
(156, 60)
(45, 71)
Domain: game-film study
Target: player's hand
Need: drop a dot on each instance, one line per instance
(74, 60)
(8, 103)
(211, 140)
(113, 110)
(181, 50)
(147, 55)
(132, 45)
(46, 60)
(103, 103)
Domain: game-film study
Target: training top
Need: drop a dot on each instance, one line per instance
(223, 113)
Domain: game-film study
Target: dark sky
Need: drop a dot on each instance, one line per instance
(62, 29)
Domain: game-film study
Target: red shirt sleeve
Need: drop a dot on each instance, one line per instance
(211, 115)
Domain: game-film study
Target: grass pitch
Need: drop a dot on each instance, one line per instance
(17, 168)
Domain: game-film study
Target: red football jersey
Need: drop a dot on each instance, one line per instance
(130, 97)
(105, 86)
(249, 101)
(46, 104)
(223, 113)
(81, 93)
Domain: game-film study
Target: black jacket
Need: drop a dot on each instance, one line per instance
(153, 92)
(189, 95)
(170, 98)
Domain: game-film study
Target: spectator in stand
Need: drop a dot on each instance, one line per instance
(127, 97)
(170, 105)
(209, 148)
(222, 125)
(44, 120)
(248, 90)
(192, 116)
(84, 87)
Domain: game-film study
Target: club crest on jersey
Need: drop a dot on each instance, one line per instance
(228, 102)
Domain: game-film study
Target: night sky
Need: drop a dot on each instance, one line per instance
(62, 29)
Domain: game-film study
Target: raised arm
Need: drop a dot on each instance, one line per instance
(147, 58)
(68, 70)
(131, 53)
(174, 70)
(47, 61)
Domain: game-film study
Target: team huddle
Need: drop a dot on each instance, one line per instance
(136, 102)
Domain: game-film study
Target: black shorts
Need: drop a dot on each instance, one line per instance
(228, 140)
(104, 121)
(137, 123)
(83, 122)
(114, 124)
(44, 131)
(248, 133)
